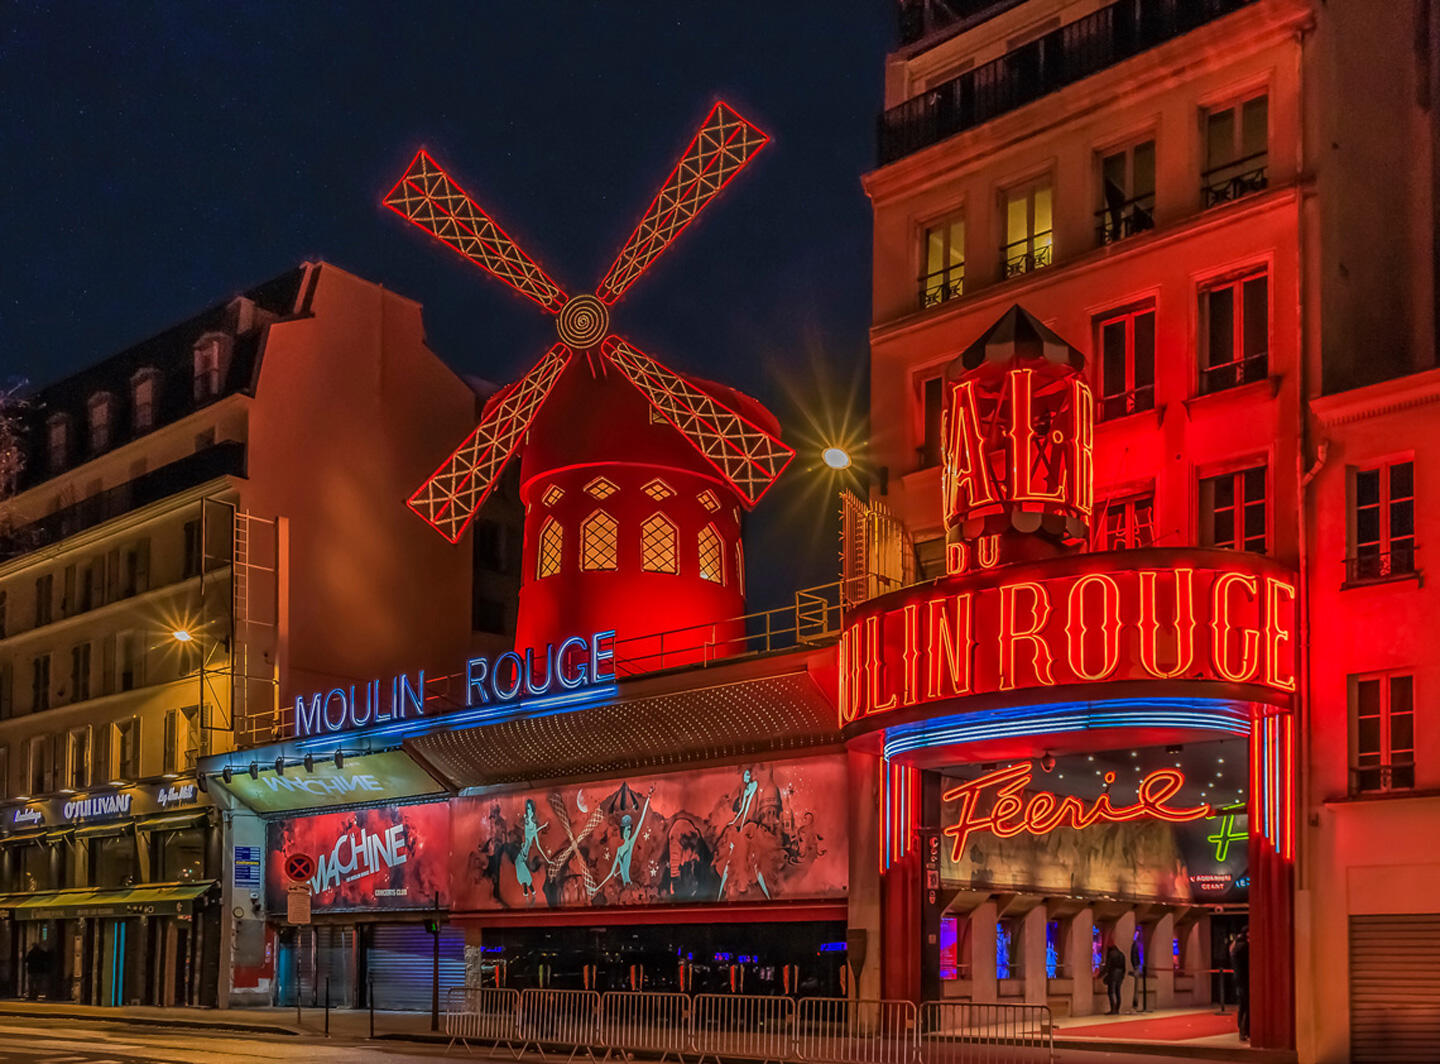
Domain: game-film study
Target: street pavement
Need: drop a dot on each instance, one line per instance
(26, 1040)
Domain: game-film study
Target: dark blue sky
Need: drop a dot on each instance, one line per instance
(159, 158)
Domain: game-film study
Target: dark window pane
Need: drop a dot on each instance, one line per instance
(1113, 341)
(1255, 484)
(1402, 732)
(1367, 698)
(1144, 170)
(1402, 777)
(1402, 480)
(1224, 492)
(1145, 349)
(1254, 126)
(1368, 735)
(1367, 526)
(1255, 523)
(1402, 519)
(1224, 529)
(1222, 328)
(1257, 319)
(1367, 487)
(1219, 138)
(1402, 694)
(1368, 779)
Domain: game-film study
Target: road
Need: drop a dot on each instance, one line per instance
(37, 1041)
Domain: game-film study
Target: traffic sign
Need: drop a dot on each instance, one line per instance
(299, 867)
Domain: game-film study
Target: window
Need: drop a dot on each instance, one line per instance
(944, 253)
(136, 578)
(44, 599)
(1383, 732)
(1384, 531)
(658, 490)
(7, 694)
(553, 494)
(68, 600)
(709, 500)
(38, 768)
(599, 542)
(80, 672)
(1127, 192)
(142, 401)
(601, 488)
(132, 661)
(125, 749)
(1236, 327)
(1236, 151)
(659, 545)
(1126, 524)
(100, 408)
(1232, 510)
(181, 734)
(40, 683)
(712, 555)
(207, 369)
(57, 440)
(932, 407)
(1029, 240)
(191, 563)
(552, 543)
(77, 758)
(1127, 362)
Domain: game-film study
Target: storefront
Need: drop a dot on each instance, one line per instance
(111, 897)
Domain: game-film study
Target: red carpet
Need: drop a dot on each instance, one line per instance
(1160, 1029)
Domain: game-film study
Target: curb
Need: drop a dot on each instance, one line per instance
(154, 1021)
(1243, 1053)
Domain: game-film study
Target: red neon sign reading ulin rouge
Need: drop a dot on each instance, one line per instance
(1167, 615)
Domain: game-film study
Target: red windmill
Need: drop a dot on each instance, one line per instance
(633, 474)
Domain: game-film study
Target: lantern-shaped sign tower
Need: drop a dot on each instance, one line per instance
(1018, 427)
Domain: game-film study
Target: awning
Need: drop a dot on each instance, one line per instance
(733, 715)
(96, 831)
(162, 899)
(171, 821)
(34, 835)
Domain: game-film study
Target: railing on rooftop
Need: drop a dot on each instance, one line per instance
(1045, 65)
(920, 18)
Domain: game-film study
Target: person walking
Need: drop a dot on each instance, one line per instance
(1137, 965)
(1114, 976)
(1240, 963)
(37, 970)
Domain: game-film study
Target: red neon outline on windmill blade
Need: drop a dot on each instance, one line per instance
(746, 456)
(554, 296)
(609, 290)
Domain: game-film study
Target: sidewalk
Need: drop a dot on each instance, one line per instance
(1200, 1032)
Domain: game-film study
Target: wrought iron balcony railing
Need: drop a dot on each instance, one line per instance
(943, 285)
(1222, 184)
(1373, 565)
(1395, 775)
(1026, 256)
(1122, 403)
(1117, 222)
(1062, 57)
(1233, 374)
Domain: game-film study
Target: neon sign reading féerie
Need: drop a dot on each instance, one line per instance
(1167, 615)
(505, 678)
(1010, 814)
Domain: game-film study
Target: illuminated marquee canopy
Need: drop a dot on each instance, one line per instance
(1143, 615)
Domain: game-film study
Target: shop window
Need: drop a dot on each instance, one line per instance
(57, 439)
(1382, 733)
(552, 545)
(100, 409)
(1029, 237)
(943, 251)
(1005, 952)
(712, 555)
(932, 406)
(1127, 362)
(80, 672)
(44, 599)
(125, 750)
(1236, 150)
(40, 683)
(1126, 524)
(1232, 511)
(142, 400)
(1052, 949)
(1235, 344)
(659, 545)
(599, 542)
(77, 758)
(114, 861)
(179, 855)
(38, 867)
(1127, 192)
(1383, 527)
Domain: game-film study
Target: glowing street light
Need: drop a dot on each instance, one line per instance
(836, 457)
(181, 635)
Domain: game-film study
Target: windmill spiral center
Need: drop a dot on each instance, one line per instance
(582, 321)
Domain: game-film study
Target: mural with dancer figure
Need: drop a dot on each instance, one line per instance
(755, 832)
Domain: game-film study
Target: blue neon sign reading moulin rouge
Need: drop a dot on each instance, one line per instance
(508, 678)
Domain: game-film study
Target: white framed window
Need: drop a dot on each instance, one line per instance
(712, 555)
(599, 542)
(1233, 510)
(1237, 159)
(1235, 346)
(1029, 228)
(659, 545)
(1382, 732)
(1127, 192)
(1126, 523)
(942, 251)
(1382, 522)
(1127, 361)
(552, 546)
(182, 746)
(39, 770)
(125, 750)
(77, 758)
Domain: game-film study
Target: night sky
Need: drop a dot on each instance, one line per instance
(160, 158)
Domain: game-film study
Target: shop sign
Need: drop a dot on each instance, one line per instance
(99, 806)
(368, 778)
(1011, 812)
(1165, 616)
(506, 678)
(169, 796)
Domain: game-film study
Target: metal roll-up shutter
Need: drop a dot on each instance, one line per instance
(1395, 989)
(400, 963)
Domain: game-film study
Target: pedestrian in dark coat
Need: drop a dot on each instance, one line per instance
(1240, 962)
(1114, 976)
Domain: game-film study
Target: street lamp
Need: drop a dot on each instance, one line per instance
(181, 635)
(836, 457)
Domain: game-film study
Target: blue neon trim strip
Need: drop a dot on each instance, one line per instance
(959, 729)
(547, 706)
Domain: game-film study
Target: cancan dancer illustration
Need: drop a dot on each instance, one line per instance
(522, 859)
(629, 832)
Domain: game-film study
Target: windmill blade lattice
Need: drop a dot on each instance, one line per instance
(429, 197)
(449, 498)
(744, 454)
(720, 149)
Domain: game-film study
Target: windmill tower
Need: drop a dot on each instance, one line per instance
(633, 476)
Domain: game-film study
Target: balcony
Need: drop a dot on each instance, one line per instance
(1127, 219)
(1123, 404)
(1058, 59)
(942, 286)
(921, 18)
(1233, 374)
(1371, 565)
(1231, 181)
(221, 459)
(1027, 256)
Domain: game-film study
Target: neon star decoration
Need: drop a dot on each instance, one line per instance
(745, 455)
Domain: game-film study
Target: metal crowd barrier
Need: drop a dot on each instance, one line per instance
(969, 1032)
(485, 1015)
(750, 1027)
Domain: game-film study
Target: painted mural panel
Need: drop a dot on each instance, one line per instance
(764, 831)
(390, 857)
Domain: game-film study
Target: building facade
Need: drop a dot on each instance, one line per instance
(173, 552)
(1197, 195)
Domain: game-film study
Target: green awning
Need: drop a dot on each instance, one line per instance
(171, 821)
(33, 835)
(98, 831)
(162, 899)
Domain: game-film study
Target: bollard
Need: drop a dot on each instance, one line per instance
(327, 1006)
